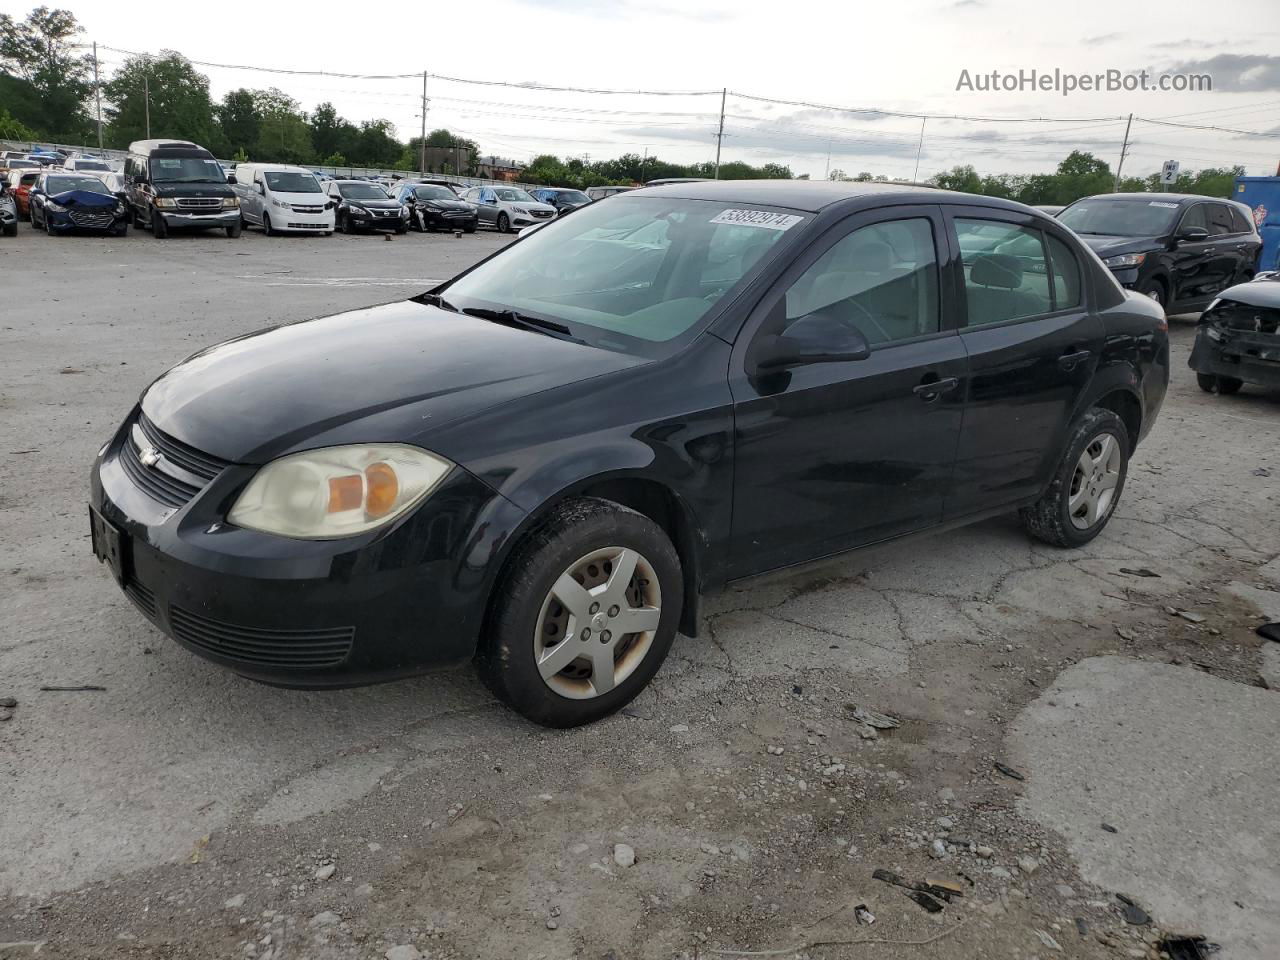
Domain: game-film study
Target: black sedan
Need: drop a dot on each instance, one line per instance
(364, 206)
(66, 202)
(1180, 250)
(1238, 339)
(433, 206)
(544, 462)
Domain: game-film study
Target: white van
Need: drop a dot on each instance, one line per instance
(280, 198)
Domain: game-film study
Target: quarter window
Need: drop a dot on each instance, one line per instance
(1220, 220)
(1006, 275)
(1066, 274)
(1241, 222)
(882, 279)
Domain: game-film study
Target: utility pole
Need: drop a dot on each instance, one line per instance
(720, 132)
(97, 92)
(146, 97)
(644, 162)
(424, 123)
(915, 176)
(1124, 147)
(827, 175)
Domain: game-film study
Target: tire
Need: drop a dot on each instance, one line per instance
(159, 229)
(1155, 289)
(266, 224)
(470, 229)
(504, 224)
(11, 229)
(1094, 495)
(401, 230)
(48, 228)
(581, 537)
(1210, 383)
(121, 231)
(34, 225)
(135, 217)
(235, 230)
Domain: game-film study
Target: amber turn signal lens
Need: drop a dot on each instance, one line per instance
(383, 488)
(345, 493)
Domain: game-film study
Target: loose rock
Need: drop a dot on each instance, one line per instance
(405, 951)
(623, 855)
(234, 903)
(327, 871)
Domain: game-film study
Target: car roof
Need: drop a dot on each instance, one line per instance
(1169, 197)
(814, 195)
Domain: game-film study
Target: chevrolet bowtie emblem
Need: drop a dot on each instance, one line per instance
(149, 456)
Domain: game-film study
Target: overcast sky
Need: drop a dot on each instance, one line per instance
(905, 55)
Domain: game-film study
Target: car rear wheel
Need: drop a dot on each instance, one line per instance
(504, 224)
(584, 615)
(1087, 485)
(1226, 386)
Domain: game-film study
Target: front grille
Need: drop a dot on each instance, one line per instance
(158, 486)
(157, 482)
(143, 599)
(458, 214)
(292, 648)
(199, 203)
(94, 220)
(203, 465)
(306, 226)
(542, 214)
(299, 208)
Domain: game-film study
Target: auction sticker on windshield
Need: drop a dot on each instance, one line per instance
(1161, 203)
(758, 218)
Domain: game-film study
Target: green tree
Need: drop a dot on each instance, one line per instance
(376, 145)
(180, 106)
(11, 129)
(284, 136)
(41, 50)
(962, 178)
(239, 119)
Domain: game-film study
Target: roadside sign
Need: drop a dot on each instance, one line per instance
(1169, 172)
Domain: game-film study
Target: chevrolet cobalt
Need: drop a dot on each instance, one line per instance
(541, 464)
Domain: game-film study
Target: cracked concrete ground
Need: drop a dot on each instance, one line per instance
(183, 812)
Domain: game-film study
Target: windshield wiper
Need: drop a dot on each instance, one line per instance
(435, 300)
(522, 321)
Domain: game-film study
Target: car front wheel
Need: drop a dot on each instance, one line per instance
(584, 615)
(1087, 485)
(504, 224)
(1226, 386)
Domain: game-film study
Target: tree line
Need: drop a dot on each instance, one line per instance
(47, 90)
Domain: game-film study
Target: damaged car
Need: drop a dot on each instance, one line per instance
(541, 464)
(1238, 338)
(65, 202)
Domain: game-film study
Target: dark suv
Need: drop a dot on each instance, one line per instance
(1180, 250)
(543, 462)
(175, 184)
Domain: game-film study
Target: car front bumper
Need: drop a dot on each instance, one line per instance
(222, 218)
(1253, 358)
(374, 222)
(306, 613)
(88, 220)
(439, 218)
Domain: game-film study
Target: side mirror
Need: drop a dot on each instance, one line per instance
(817, 337)
(1192, 234)
(231, 178)
(262, 189)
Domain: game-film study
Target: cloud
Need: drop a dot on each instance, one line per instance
(967, 4)
(629, 10)
(1103, 38)
(1236, 72)
(1188, 42)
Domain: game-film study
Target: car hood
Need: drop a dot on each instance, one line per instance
(1107, 246)
(1257, 293)
(447, 204)
(84, 198)
(379, 204)
(392, 373)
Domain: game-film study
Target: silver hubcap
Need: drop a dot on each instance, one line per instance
(1093, 485)
(597, 623)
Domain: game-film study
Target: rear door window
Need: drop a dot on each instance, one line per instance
(1241, 222)
(1220, 220)
(1006, 272)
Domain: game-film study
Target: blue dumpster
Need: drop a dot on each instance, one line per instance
(1262, 194)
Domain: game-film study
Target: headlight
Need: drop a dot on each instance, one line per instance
(228, 202)
(357, 209)
(519, 210)
(337, 491)
(1126, 260)
(282, 204)
(56, 207)
(166, 203)
(1214, 333)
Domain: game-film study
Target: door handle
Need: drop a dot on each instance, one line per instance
(930, 391)
(1068, 361)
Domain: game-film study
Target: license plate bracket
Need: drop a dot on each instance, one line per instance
(110, 545)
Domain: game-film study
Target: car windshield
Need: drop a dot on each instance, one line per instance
(92, 165)
(362, 191)
(574, 196)
(56, 185)
(510, 195)
(186, 170)
(1121, 218)
(286, 181)
(434, 192)
(631, 275)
